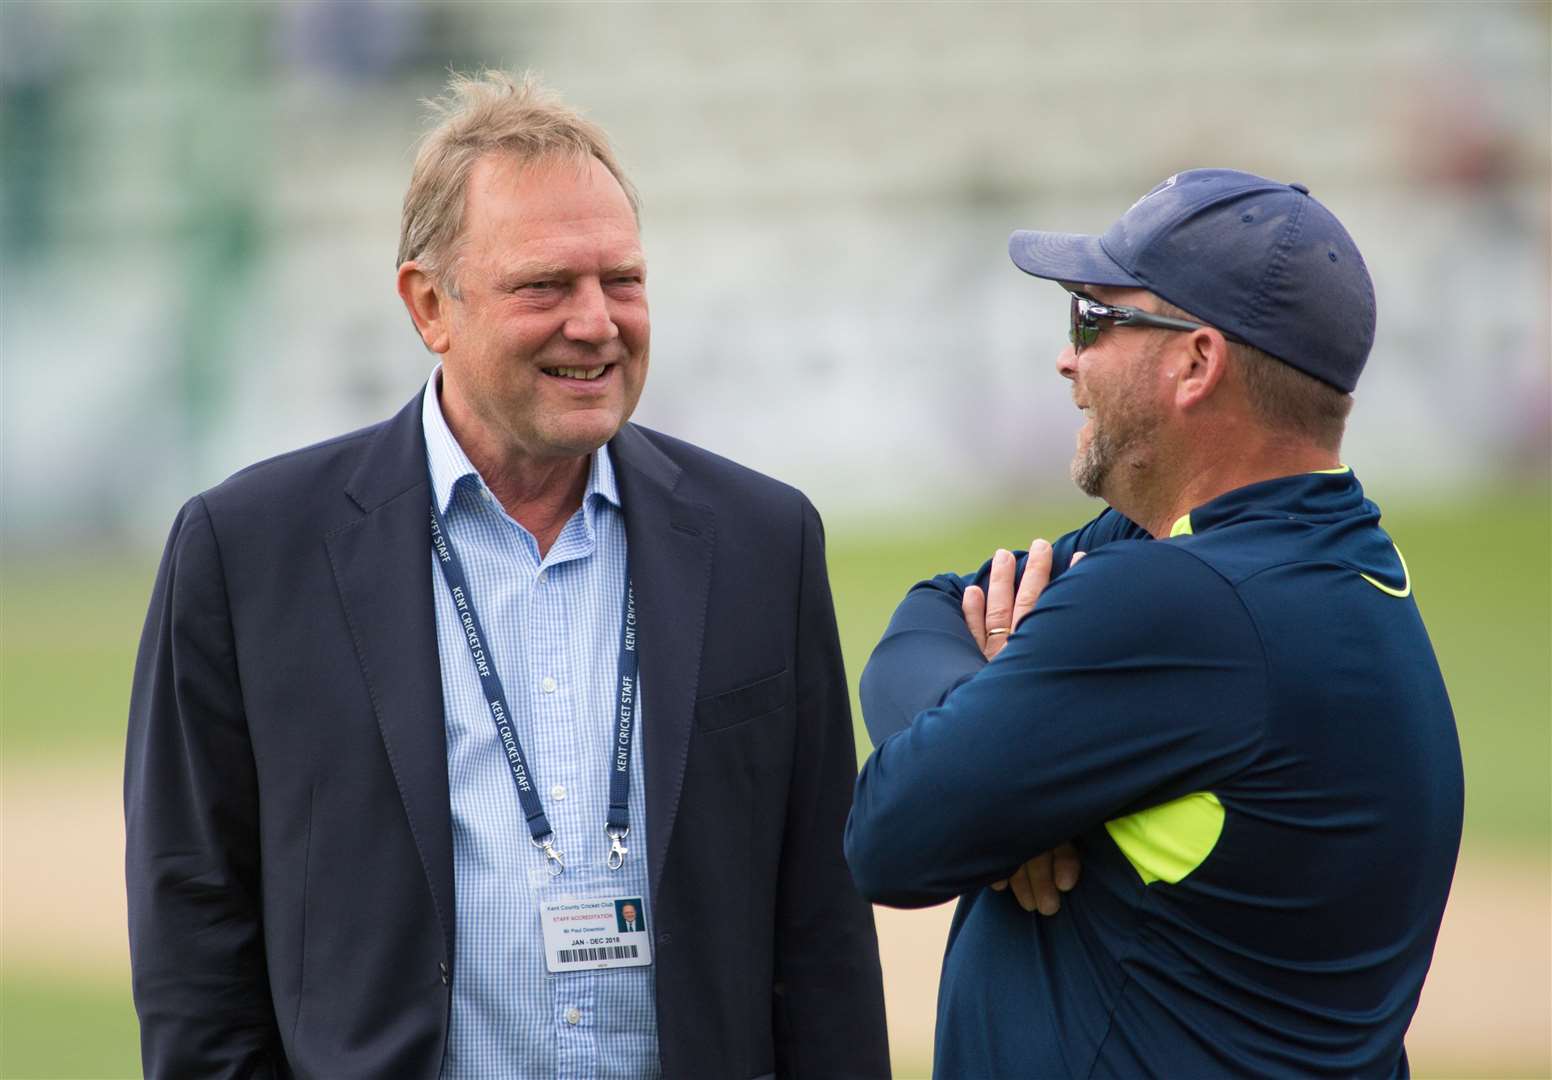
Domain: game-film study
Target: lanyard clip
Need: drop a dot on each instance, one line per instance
(617, 850)
(552, 853)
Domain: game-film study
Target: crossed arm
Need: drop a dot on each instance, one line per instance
(1126, 687)
(930, 627)
(991, 615)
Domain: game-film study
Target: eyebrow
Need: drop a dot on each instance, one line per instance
(534, 271)
(635, 264)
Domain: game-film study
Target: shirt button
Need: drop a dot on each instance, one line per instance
(543, 576)
(573, 1015)
(558, 791)
(548, 684)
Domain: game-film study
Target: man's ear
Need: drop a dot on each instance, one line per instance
(427, 305)
(1205, 362)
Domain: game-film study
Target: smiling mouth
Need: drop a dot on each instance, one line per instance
(579, 373)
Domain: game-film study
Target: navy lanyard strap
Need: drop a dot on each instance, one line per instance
(539, 829)
(617, 824)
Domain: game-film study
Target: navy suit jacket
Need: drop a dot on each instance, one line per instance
(289, 846)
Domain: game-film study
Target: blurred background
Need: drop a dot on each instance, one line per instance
(199, 216)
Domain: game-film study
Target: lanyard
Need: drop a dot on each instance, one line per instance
(617, 821)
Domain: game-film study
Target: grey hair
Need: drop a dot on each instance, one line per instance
(492, 112)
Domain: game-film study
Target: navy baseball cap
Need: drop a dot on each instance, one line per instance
(1256, 258)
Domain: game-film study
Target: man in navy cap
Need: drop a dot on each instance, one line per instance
(1230, 706)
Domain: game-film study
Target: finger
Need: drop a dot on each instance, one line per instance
(1066, 866)
(998, 886)
(999, 601)
(1037, 575)
(1023, 891)
(1042, 883)
(973, 606)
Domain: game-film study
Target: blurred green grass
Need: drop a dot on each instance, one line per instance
(69, 626)
(52, 1025)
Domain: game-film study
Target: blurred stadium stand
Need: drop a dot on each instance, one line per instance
(200, 213)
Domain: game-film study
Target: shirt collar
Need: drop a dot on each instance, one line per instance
(1329, 494)
(449, 464)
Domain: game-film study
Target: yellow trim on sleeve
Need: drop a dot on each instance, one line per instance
(1182, 526)
(1406, 579)
(1165, 843)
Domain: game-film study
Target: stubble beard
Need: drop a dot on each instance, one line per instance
(1121, 439)
(1091, 464)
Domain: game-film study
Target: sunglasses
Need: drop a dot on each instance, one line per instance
(1088, 317)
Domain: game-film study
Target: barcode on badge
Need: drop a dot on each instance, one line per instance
(606, 952)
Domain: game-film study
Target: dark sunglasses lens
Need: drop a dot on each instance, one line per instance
(1081, 331)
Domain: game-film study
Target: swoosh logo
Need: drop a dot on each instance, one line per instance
(1406, 579)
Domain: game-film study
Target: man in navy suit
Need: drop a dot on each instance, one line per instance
(415, 708)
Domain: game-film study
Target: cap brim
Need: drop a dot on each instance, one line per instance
(1068, 257)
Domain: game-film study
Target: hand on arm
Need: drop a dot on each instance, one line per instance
(927, 651)
(1090, 712)
(992, 615)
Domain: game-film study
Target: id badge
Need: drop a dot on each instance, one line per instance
(589, 935)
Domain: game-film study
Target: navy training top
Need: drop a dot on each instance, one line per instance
(1246, 732)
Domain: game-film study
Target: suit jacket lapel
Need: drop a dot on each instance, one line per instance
(382, 567)
(671, 540)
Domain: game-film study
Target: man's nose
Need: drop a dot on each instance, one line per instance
(589, 318)
(1067, 363)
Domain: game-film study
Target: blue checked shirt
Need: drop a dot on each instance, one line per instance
(553, 626)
